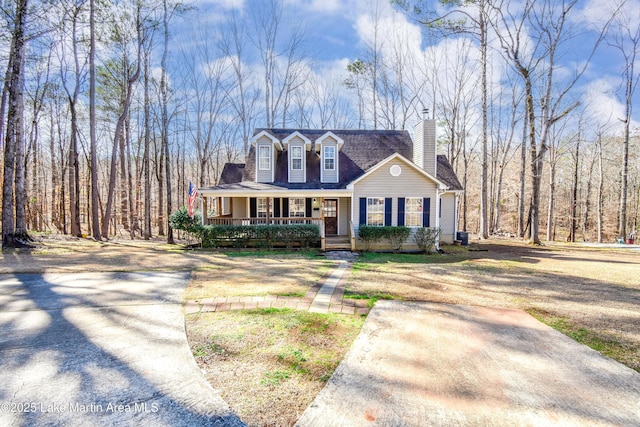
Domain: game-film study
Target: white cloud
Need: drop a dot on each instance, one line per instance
(326, 6)
(225, 4)
(602, 105)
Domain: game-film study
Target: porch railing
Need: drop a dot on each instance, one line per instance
(266, 221)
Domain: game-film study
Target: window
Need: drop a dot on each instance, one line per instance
(264, 157)
(297, 207)
(329, 158)
(296, 158)
(413, 212)
(375, 211)
(262, 207)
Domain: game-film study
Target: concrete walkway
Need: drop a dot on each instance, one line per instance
(426, 364)
(327, 296)
(100, 349)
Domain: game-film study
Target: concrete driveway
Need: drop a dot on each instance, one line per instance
(423, 364)
(100, 349)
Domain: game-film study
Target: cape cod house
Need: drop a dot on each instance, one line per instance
(339, 179)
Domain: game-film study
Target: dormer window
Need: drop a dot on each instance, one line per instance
(329, 146)
(264, 157)
(266, 146)
(296, 158)
(329, 158)
(297, 146)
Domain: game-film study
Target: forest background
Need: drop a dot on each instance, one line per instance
(110, 109)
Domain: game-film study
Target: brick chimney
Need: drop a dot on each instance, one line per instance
(424, 144)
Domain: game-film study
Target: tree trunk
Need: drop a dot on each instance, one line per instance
(574, 196)
(600, 189)
(54, 175)
(118, 134)
(523, 174)
(120, 125)
(14, 135)
(124, 202)
(484, 197)
(587, 202)
(74, 173)
(552, 199)
(145, 161)
(622, 223)
(95, 196)
(164, 90)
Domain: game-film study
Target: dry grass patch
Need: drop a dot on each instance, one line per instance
(595, 294)
(270, 364)
(255, 276)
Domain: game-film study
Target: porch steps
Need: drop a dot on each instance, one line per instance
(337, 243)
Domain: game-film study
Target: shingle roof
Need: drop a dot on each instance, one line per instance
(362, 150)
(231, 173)
(446, 174)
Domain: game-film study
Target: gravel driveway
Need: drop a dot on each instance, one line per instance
(100, 349)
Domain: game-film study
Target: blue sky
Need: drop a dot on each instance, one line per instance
(336, 33)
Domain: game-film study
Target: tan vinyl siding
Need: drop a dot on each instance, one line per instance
(344, 208)
(329, 175)
(240, 208)
(447, 220)
(264, 175)
(381, 183)
(297, 175)
(226, 205)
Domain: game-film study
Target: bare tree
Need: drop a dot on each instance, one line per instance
(503, 131)
(532, 36)
(211, 81)
(72, 86)
(14, 234)
(131, 73)
(456, 84)
(244, 94)
(626, 39)
(470, 17)
(283, 66)
(95, 208)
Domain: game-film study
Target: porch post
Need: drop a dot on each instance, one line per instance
(268, 210)
(323, 243)
(204, 210)
(219, 201)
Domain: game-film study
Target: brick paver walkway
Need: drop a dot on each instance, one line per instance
(326, 296)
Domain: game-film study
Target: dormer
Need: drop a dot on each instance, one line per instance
(329, 145)
(266, 146)
(297, 146)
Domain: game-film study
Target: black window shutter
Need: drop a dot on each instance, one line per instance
(400, 211)
(253, 207)
(285, 207)
(307, 207)
(363, 210)
(426, 212)
(387, 211)
(276, 207)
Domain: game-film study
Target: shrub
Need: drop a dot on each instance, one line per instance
(426, 238)
(267, 236)
(397, 236)
(180, 220)
(371, 235)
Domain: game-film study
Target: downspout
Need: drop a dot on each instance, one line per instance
(439, 192)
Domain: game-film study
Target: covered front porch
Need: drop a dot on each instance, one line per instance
(329, 210)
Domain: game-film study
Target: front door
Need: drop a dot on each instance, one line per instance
(330, 217)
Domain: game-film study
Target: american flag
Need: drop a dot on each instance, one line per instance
(191, 203)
